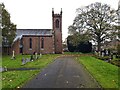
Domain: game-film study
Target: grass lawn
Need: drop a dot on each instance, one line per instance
(77, 53)
(17, 63)
(71, 53)
(9, 63)
(106, 74)
(13, 79)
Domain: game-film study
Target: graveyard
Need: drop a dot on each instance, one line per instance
(88, 57)
(108, 56)
(18, 72)
(105, 73)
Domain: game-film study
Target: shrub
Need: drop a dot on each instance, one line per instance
(102, 58)
(84, 47)
(117, 56)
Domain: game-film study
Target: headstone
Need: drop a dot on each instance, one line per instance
(31, 58)
(102, 53)
(1, 69)
(111, 56)
(36, 56)
(95, 52)
(23, 61)
(40, 54)
(99, 53)
(5, 69)
(13, 55)
(27, 60)
(107, 52)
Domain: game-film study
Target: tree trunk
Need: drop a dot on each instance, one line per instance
(99, 46)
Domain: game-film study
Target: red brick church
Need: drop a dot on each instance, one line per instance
(45, 41)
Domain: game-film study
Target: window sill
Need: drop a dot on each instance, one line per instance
(30, 48)
(42, 48)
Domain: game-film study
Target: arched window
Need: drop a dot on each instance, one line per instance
(57, 23)
(42, 43)
(30, 40)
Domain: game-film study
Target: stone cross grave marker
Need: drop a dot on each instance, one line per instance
(13, 55)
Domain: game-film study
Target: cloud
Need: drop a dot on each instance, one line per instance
(38, 13)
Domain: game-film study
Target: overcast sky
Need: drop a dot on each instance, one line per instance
(37, 14)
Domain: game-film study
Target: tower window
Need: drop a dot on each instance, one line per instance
(57, 23)
(42, 43)
(30, 40)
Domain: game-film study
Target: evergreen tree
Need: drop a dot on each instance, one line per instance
(8, 28)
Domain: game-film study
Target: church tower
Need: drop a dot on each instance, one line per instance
(57, 29)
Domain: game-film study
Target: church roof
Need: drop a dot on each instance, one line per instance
(20, 32)
(36, 32)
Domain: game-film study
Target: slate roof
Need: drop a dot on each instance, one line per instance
(37, 32)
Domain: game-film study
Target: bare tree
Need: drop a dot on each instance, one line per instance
(72, 29)
(96, 19)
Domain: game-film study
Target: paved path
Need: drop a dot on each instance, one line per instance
(64, 72)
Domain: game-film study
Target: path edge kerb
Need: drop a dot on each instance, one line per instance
(88, 72)
(40, 70)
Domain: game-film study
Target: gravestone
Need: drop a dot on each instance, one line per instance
(99, 53)
(111, 56)
(96, 52)
(5, 69)
(36, 56)
(23, 61)
(107, 53)
(31, 58)
(40, 55)
(1, 69)
(27, 60)
(13, 55)
(103, 54)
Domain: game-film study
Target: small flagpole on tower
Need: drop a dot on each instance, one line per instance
(52, 11)
(61, 11)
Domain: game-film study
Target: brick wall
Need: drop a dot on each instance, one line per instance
(36, 45)
(57, 32)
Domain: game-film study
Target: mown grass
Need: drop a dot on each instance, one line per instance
(72, 53)
(13, 79)
(106, 74)
(43, 61)
(17, 63)
(9, 63)
(76, 53)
